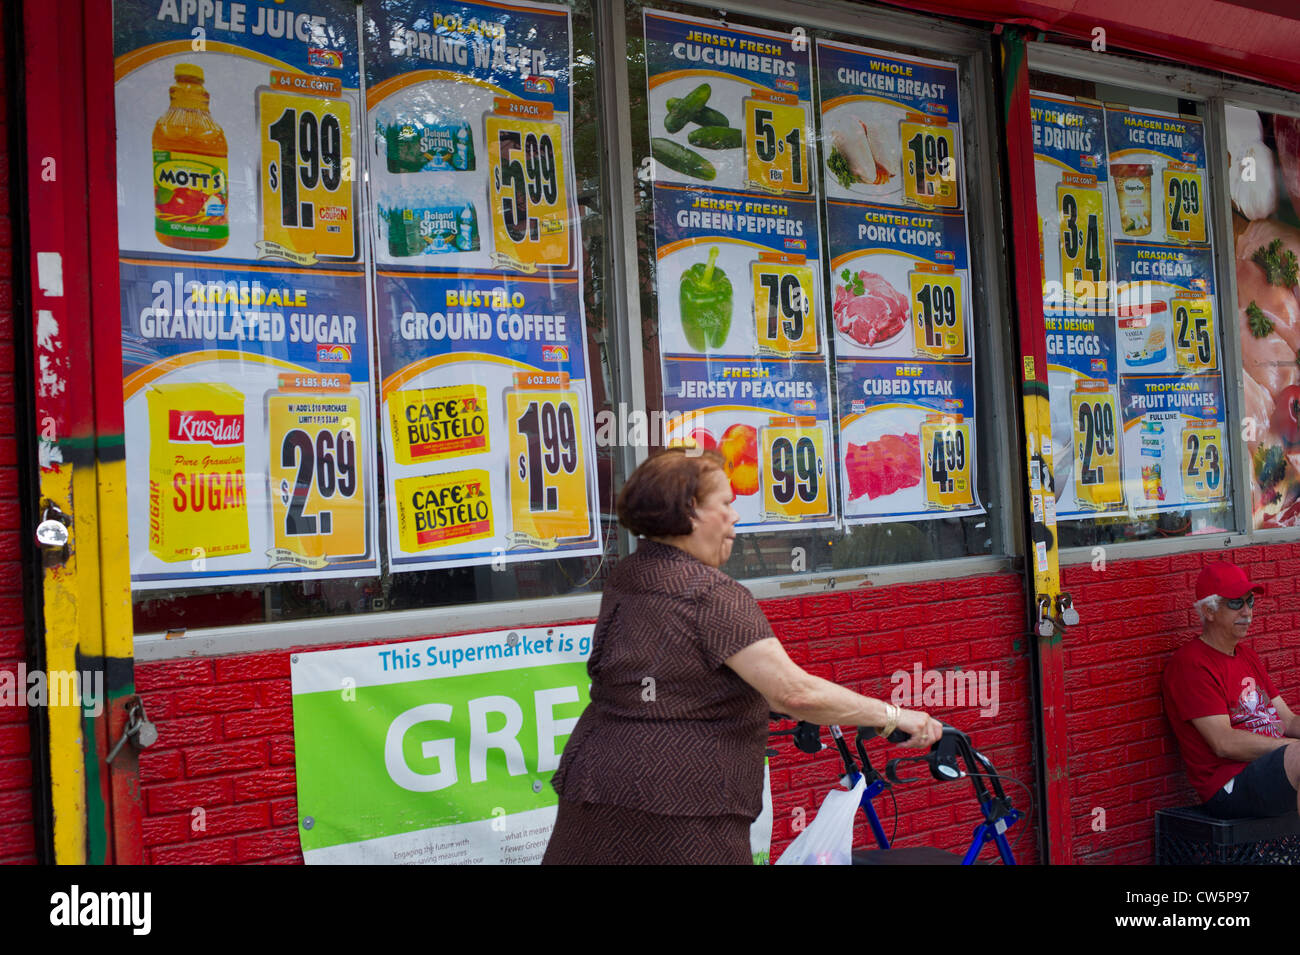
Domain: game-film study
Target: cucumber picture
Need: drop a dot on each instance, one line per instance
(714, 137)
(704, 116)
(681, 159)
(686, 108)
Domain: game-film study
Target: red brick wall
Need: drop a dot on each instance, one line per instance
(226, 723)
(1123, 758)
(17, 833)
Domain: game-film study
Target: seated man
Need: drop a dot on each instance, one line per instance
(1230, 721)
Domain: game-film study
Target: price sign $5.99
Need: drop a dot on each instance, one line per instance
(307, 196)
(548, 469)
(529, 197)
(316, 472)
(794, 480)
(1097, 483)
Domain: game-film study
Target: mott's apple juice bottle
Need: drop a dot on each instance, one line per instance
(190, 190)
(197, 504)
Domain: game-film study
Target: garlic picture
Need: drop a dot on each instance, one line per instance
(1252, 177)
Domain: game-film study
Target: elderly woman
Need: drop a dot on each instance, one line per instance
(666, 764)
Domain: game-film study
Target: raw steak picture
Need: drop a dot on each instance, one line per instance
(884, 466)
(876, 315)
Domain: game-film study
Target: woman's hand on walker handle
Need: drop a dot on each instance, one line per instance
(922, 729)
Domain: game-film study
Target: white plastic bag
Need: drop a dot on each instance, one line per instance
(828, 840)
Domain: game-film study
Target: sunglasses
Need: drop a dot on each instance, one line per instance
(1236, 603)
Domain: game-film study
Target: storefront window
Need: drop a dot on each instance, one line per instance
(1141, 437)
(813, 299)
(1264, 152)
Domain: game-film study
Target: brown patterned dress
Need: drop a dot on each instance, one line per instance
(666, 764)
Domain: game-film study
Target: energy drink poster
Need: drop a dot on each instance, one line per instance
(743, 345)
(899, 282)
(1070, 176)
(486, 401)
(469, 132)
(246, 346)
(487, 419)
(248, 425)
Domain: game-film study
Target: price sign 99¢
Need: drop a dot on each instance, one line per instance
(528, 193)
(1202, 463)
(307, 194)
(938, 327)
(946, 449)
(783, 310)
(1184, 208)
(547, 465)
(1097, 483)
(1194, 333)
(929, 164)
(316, 469)
(794, 480)
(776, 147)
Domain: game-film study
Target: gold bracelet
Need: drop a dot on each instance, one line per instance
(891, 720)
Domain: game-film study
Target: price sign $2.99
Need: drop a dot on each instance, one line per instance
(1097, 436)
(547, 465)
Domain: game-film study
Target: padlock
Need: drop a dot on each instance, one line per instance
(147, 733)
(51, 534)
(1046, 625)
(1065, 610)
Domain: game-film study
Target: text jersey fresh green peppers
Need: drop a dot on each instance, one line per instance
(705, 299)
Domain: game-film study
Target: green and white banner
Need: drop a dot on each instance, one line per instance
(436, 751)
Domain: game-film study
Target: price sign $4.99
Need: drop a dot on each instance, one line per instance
(528, 195)
(946, 450)
(307, 197)
(794, 480)
(318, 502)
(547, 465)
(1097, 435)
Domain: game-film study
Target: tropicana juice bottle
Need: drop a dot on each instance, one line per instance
(191, 192)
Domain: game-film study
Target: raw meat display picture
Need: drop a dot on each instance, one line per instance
(881, 467)
(868, 309)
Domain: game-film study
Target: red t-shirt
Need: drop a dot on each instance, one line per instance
(1202, 681)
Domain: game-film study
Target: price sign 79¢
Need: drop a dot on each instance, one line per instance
(794, 480)
(528, 193)
(783, 308)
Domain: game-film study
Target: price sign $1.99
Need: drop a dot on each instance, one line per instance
(527, 191)
(318, 502)
(1097, 436)
(794, 479)
(547, 465)
(307, 181)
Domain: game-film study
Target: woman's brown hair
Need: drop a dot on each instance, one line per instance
(659, 499)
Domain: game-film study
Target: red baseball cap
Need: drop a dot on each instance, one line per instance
(1227, 580)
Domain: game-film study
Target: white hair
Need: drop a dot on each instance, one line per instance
(1209, 604)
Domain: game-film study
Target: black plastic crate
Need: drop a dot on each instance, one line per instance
(1189, 836)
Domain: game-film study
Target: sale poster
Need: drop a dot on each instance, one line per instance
(246, 347)
(1136, 392)
(900, 286)
(743, 345)
(486, 406)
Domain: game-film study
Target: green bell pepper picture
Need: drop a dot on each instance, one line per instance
(705, 299)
